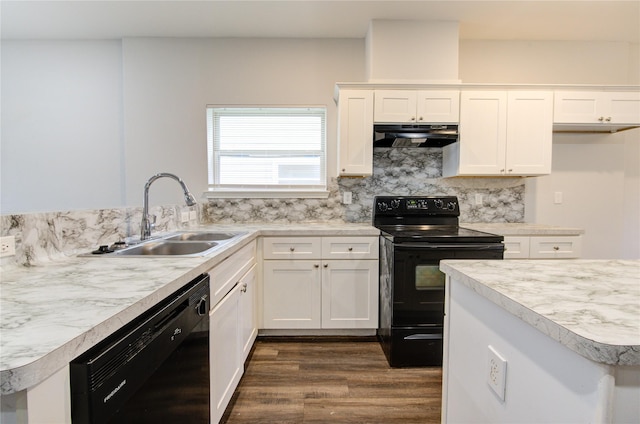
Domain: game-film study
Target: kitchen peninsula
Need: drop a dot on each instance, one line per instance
(542, 341)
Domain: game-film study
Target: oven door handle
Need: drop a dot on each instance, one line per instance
(424, 337)
(453, 246)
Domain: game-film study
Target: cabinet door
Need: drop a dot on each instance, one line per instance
(355, 133)
(438, 106)
(291, 294)
(225, 351)
(529, 132)
(483, 132)
(350, 247)
(623, 107)
(516, 247)
(395, 106)
(292, 248)
(570, 107)
(555, 247)
(248, 311)
(350, 294)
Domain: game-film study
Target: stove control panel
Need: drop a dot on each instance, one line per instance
(412, 205)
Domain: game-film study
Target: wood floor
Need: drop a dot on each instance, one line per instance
(332, 381)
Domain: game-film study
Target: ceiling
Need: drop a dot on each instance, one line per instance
(489, 20)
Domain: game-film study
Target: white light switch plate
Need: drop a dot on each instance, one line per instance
(7, 246)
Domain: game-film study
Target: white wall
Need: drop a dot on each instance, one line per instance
(61, 132)
(597, 174)
(169, 82)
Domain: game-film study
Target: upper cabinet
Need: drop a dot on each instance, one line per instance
(596, 110)
(416, 106)
(502, 133)
(355, 133)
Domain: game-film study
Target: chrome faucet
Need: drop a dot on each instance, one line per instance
(149, 221)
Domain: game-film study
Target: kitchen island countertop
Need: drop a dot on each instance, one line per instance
(58, 309)
(590, 306)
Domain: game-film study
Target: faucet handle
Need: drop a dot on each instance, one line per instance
(152, 221)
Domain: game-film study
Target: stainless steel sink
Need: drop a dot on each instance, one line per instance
(167, 248)
(203, 236)
(180, 244)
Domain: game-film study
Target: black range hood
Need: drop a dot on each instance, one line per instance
(409, 135)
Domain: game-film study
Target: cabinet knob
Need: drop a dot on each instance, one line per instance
(291, 249)
(344, 170)
(350, 249)
(510, 170)
(608, 119)
(601, 118)
(326, 265)
(421, 118)
(413, 118)
(502, 171)
(556, 248)
(316, 266)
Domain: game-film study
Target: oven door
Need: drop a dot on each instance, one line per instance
(418, 283)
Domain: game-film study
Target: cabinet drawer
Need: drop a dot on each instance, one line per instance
(226, 274)
(292, 248)
(350, 248)
(564, 247)
(516, 247)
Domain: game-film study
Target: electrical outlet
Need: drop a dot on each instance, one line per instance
(478, 199)
(497, 372)
(184, 216)
(7, 246)
(347, 198)
(193, 215)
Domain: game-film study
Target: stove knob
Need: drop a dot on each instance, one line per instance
(383, 206)
(439, 203)
(395, 204)
(451, 205)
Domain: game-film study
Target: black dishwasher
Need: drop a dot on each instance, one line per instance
(154, 369)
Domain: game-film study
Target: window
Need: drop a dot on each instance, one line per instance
(267, 151)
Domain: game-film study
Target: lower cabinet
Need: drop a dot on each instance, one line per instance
(334, 284)
(232, 324)
(542, 247)
(225, 350)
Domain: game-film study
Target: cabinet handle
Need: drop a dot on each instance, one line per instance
(350, 249)
(510, 170)
(413, 118)
(608, 119)
(601, 118)
(243, 289)
(326, 265)
(502, 171)
(556, 248)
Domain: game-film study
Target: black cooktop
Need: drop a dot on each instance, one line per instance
(429, 219)
(435, 234)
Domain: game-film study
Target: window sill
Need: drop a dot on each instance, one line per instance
(266, 194)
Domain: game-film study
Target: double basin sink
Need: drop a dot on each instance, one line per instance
(184, 244)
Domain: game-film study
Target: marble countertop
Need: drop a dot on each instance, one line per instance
(53, 312)
(523, 229)
(590, 306)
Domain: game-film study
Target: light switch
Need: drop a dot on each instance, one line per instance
(557, 197)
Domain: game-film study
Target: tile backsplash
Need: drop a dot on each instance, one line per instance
(400, 171)
(408, 171)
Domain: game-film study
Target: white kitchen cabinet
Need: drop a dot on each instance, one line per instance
(333, 285)
(611, 110)
(232, 324)
(502, 133)
(416, 106)
(248, 311)
(355, 133)
(225, 351)
(542, 247)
